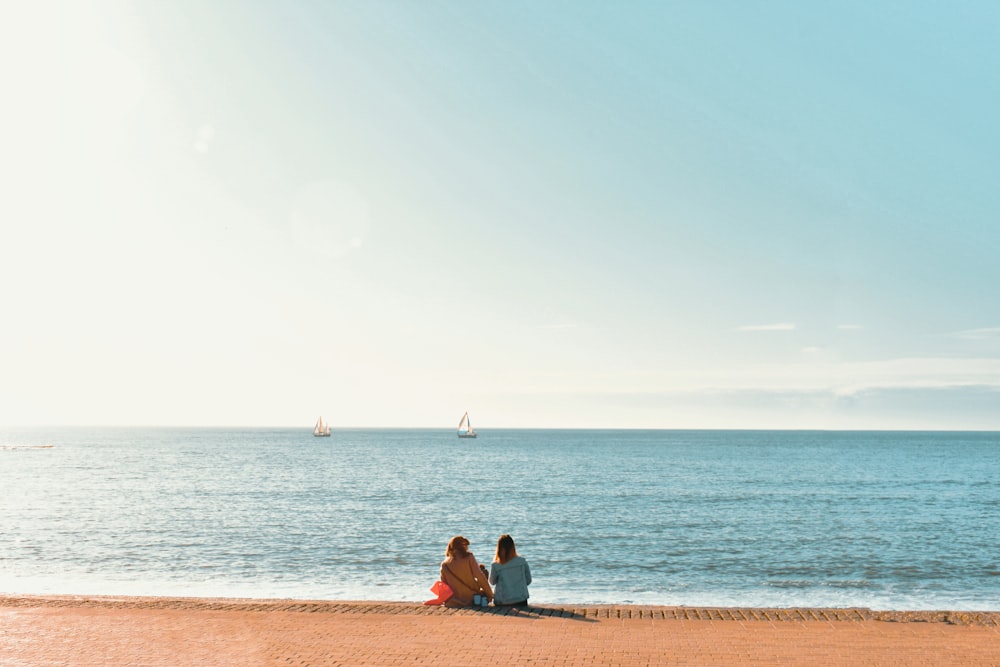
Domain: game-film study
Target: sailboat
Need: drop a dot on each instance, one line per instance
(465, 429)
(321, 430)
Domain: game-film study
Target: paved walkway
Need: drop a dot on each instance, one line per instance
(67, 630)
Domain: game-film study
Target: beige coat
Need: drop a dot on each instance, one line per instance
(465, 579)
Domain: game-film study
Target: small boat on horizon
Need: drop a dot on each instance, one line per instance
(465, 429)
(321, 430)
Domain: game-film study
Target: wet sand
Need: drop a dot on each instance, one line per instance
(86, 630)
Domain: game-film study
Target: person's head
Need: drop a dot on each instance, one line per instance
(505, 549)
(458, 547)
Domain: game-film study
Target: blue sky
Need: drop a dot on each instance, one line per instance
(666, 215)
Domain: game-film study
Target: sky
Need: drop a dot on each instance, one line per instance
(557, 214)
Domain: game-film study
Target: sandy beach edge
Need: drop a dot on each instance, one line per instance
(592, 611)
(179, 631)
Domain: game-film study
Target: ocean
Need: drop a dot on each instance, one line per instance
(886, 520)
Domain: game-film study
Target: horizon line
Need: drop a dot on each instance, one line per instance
(480, 430)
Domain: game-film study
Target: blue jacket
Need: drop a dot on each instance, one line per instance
(510, 581)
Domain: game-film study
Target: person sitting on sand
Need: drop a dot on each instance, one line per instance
(510, 574)
(465, 576)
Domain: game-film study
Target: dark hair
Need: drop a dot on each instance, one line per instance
(505, 549)
(458, 547)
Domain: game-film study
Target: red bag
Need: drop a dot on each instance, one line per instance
(442, 591)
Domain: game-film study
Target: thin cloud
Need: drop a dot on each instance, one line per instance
(780, 326)
(850, 327)
(979, 334)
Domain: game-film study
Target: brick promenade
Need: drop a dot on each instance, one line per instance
(67, 630)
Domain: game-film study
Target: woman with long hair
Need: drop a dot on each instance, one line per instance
(465, 576)
(509, 574)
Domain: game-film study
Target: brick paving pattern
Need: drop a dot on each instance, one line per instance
(72, 630)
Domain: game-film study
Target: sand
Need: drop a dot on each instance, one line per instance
(79, 630)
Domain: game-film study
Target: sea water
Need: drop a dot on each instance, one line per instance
(887, 520)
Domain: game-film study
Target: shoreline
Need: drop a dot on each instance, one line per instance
(986, 618)
(175, 631)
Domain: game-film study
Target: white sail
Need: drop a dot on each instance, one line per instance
(321, 429)
(465, 429)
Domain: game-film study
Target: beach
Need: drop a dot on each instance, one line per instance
(98, 630)
(646, 548)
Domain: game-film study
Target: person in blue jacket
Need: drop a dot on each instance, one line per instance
(509, 575)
